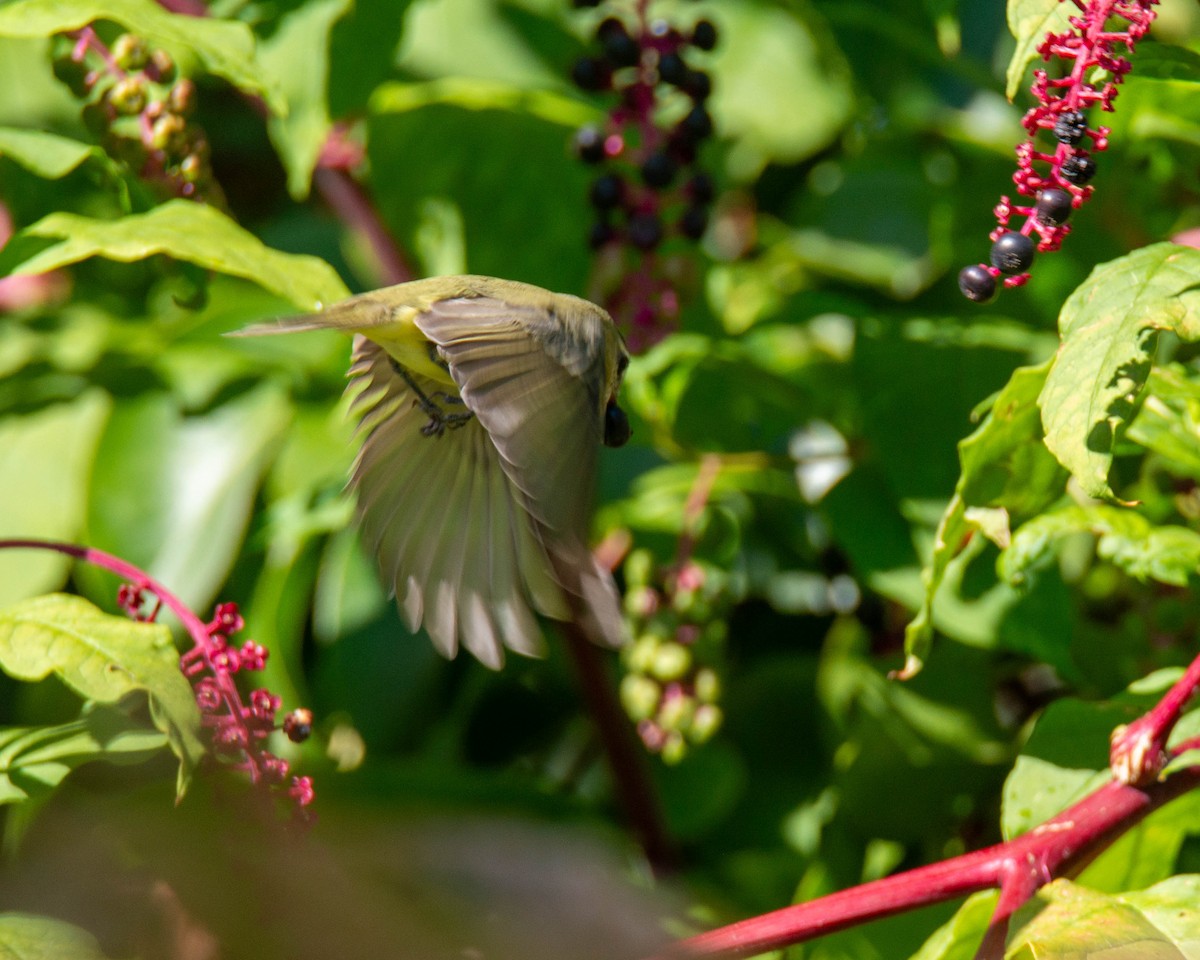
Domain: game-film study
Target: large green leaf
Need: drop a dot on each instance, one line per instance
(196, 478)
(187, 231)
(45, 461)
(958, 938)
(1168, 422)
(222, 47)
(1066, 919)
(27, 937)
(297, 57)
(103, 658)
(1108, 328)
(34, 760)
(1007, 474)
(1171, 906)
(1030, 21)
(46, 154)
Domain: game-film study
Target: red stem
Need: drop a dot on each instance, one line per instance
(350, 202)
(1060, 847)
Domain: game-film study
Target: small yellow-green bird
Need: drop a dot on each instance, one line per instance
(483, 404)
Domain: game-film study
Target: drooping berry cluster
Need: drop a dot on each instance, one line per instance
(238, 731)
(671, 688)
(649, 187)
(138, 107)
(1057, 182)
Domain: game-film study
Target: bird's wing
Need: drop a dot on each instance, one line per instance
(545, 422)
(445, 521)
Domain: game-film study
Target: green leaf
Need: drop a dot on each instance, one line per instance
(1030, 21)
(34, 760)
(1109, 327)
(196, 478)
(958, 938)
(1168, 422)
(1165, 61)
(475, 94)
(45, 462)
(46, 154)
(27, 937)
(1165, 553)
(187, 231)
(103, 658)
(1007, 474)
(297, 57)
(1068, 920)
(222, 47)
(1171, 907)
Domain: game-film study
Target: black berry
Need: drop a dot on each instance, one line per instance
(697, 85)
(589, 145)
(645, 231)
(1053, 206)
(659, 170)
(696, 125)
(701, 188)
(619, 47)
(977, 284)
(704, 35)
(600, 234)
(694, 222)
(1070, 127)
(1078, 169)
(1012, 253)
(591, 73)
(607, 191)
(672, 69)
(580, 4)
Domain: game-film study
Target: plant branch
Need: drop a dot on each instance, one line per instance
(1062, 846)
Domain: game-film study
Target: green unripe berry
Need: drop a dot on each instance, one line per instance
(639, 696)
(676, 713)
(163, 67)
(639, 655)
(641, 602)
(191, 168)
(674, 748)
(128, 95)
(130, 51)
(182, 98)
(705, 722)
(639, 568)
(707, 685)
(168, 132)
(672, 661)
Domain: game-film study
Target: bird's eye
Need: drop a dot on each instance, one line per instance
(616, 426)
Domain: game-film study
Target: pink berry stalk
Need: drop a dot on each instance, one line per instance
(1055, 163)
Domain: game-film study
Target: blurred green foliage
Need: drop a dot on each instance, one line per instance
(885, 451)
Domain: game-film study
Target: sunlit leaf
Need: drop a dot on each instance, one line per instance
(43, 153)
(1109, 327)
(187, 231)
(1030, 21)
(27, 937)
(103, 658)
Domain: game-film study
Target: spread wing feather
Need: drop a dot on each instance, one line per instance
(444, 520)
(545, 423)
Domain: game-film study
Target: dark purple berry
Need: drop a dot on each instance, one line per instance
(600, 234)
(1053, 206)
(701, 188)
(696, 125)
(697, 85)
(645, 231)
(694, 222)
(607, 191)
(1070, 127)
(672, 69)
(977, 283)
(619, 47)
(580, 4)
(704, 35)
(589, 145)
(659, 170)
(1078, 169)
(1012, 253)
(591, 73)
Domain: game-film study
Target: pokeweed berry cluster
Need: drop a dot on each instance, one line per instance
(138, 107)
(648, 187)
(237, 730)
(671, 688)
(1092, 68)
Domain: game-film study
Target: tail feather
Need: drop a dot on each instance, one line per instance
(296, 324)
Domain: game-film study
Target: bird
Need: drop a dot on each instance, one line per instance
(482, 405)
